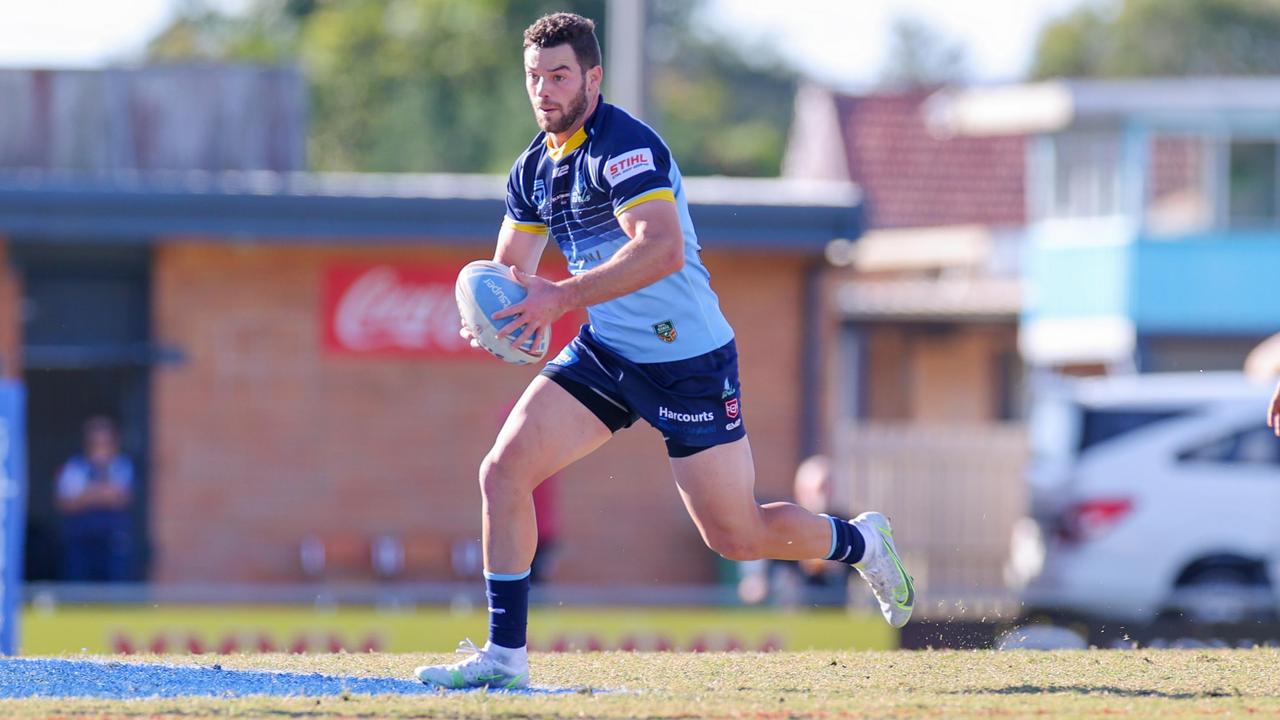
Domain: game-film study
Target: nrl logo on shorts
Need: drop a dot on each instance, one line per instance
(666, 330)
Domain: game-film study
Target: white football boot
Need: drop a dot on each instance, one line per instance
(482, 668)
(883, 570)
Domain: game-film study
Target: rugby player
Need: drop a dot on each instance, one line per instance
(604, 186)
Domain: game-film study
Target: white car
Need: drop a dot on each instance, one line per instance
(1154, 496)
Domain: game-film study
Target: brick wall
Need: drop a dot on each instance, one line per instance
(260, 437)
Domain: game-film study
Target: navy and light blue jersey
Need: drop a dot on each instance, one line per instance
(576, 192)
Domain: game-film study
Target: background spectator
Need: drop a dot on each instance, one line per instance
(94, 493)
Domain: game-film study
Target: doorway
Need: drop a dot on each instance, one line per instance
(86, 353)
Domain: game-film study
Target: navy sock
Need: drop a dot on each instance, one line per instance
(508, 608)
(847, 544)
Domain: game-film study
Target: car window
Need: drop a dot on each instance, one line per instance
(1256, 446)
(1102, 425)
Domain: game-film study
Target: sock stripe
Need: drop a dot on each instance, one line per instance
(835, 536)
(500, 576)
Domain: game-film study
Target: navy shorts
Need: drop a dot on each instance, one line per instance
(695, 403)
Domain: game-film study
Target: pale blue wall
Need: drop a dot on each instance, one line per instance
(1225, 282)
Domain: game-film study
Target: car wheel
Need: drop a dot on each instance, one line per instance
(1221, 595)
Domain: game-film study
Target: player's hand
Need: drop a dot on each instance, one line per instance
(1273, 411)
(465, 332)
(544, 304)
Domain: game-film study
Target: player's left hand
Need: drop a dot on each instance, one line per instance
(544, 304)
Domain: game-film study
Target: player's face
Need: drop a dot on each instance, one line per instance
(557, 86)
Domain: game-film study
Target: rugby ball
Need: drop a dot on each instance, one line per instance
(484, 287)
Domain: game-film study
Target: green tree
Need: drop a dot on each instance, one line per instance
(435, 85)
(921, 57)
(1134, 38)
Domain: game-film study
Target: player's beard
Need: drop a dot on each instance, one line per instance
(577, 108)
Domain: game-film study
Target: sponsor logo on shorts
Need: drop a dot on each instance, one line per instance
(729, 391)
(628, 164)
(731, 408)
(704, 416)
(733, 425)
(666, 331)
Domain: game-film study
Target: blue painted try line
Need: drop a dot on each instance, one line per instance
(47, 678)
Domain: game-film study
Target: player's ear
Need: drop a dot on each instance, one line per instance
(595, 76)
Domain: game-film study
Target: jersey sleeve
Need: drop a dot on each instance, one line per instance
(638, 172)
(522, 213)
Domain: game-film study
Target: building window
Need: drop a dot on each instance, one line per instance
(1251, 183)
(1086, 172)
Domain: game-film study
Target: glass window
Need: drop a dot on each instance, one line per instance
(1102, 425)
(1180, 197)
(1251, 182)
(1256, 446)
(1086, 171)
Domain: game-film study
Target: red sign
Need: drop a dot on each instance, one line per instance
(403, 310)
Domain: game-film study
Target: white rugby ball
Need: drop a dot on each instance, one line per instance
(484, 287)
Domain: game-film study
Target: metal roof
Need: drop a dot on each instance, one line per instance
(729, 213)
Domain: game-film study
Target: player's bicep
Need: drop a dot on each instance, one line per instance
(519, 246)
(657, 225)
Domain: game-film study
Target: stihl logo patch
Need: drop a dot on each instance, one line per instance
(628, 164)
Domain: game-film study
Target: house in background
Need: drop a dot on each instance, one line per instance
(1153, 208)
(925, 306)
(1070, 227)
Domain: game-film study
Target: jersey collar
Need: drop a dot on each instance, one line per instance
(573, 143)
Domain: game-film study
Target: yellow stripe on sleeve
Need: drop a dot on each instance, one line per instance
(535, 228)
(659, 194)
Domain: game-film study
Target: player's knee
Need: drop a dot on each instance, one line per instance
(733, 544)
(497, 478)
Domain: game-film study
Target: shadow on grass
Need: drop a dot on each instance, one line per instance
(1095, 690)
(48, 678)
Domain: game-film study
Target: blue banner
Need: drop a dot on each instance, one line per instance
(13, 509)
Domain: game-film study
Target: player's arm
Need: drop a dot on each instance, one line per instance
(520, 245)
(654, 251)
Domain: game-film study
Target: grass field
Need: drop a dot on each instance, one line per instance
(899, 684)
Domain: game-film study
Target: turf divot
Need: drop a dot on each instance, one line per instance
(56, 678)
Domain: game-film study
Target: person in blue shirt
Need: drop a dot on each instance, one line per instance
(604, 187)
(94, 493)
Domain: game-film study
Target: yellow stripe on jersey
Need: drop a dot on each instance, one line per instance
(573, 143)
(535, 228)
(659, 194)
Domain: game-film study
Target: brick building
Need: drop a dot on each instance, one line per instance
(202, 310)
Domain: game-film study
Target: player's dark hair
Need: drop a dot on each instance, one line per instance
(560, 28)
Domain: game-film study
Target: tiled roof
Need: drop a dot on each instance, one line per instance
(912, 179)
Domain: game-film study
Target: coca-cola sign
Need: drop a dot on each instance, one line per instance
(399, 309)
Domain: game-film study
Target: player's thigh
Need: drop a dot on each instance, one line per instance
(718, 487)
(546, 431)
